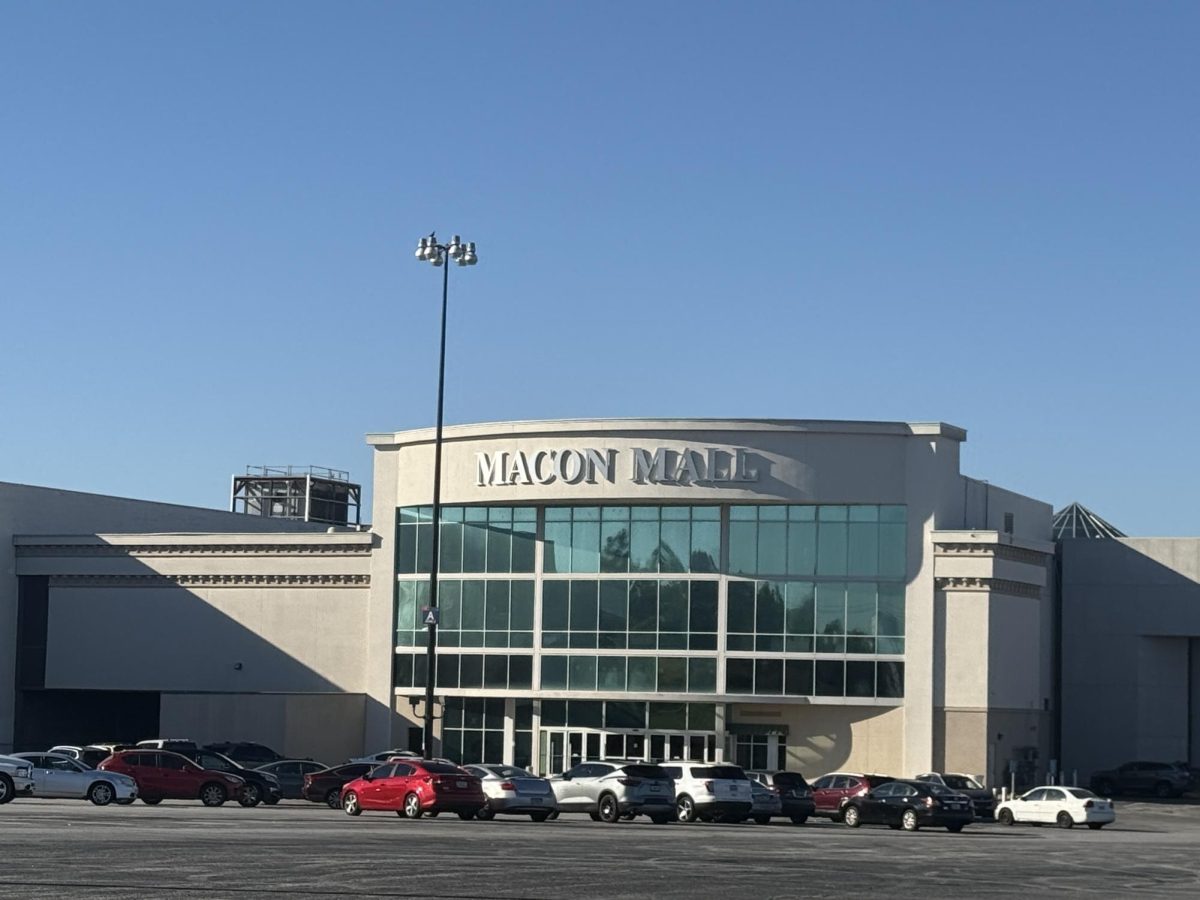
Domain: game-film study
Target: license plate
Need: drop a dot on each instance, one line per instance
(460, 784)
(537, 800)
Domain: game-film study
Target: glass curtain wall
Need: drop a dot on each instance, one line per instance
(629, 599)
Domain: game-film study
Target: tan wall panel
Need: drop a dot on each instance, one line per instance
(326, 727)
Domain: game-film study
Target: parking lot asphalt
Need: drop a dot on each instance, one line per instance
(59, 848)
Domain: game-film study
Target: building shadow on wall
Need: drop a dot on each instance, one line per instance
(118, 657)
(1127, 629)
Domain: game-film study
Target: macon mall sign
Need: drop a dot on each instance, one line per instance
(660, 466)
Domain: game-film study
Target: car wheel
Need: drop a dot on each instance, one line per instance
(412, 806)
(954, 829)
(485, 813)
(763, 820)
(1006, 817)
(7, 789)
(1064, 820)
(152, 801)
(1095, 826)
(595, 817)
(251, 796)
(553, 814)
(628, 817)
(539, 816)
(851, 817)
(333, 798)
(685, 809)
(467, 816)
(101, 793)
(212, 794)
(610, 812)
(799, 820)
(1162, 790)
(660, 819)
(270, 801)
(908, 821)
(350, 804)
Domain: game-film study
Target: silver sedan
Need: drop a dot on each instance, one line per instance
(55, 775)
(514, 791)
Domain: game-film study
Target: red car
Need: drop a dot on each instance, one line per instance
(414, 787)
(162, 775)
(832, 792)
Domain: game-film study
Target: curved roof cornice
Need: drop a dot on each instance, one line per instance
(547, 427)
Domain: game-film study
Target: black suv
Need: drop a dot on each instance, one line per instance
(1158, 778)
(247, 753)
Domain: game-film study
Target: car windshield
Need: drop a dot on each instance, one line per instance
(645, 771)
(962, 783)
(442, 769)
(508, 772)
(734, 772)
(1081, 794)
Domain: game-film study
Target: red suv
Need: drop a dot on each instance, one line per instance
(162, 775)
(413, 787)
(832, 792)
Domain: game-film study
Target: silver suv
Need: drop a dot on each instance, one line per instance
(710, 792)
(612, 790)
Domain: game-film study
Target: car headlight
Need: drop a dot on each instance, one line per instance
(271, 779)
(23, 771)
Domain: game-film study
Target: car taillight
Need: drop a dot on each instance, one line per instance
(1088, 805)
(308, 781)
(507, 786)
(930, 801)
(708, 786)
(629, 782)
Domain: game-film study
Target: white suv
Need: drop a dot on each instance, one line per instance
(710, 792)
(16, 777)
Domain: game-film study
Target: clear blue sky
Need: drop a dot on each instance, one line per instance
(983, 213)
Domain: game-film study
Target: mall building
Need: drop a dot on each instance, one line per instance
(815, 595)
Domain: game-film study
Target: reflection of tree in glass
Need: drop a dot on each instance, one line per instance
(614, 556)
(703, 561)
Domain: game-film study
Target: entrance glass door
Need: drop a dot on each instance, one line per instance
(561, 748)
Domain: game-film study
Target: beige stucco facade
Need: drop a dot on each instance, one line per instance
(974, 591)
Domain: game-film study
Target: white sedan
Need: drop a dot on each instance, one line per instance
(1061, 806)
(55, 775)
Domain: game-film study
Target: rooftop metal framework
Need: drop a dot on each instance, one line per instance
(1077, 521)
(306, 493)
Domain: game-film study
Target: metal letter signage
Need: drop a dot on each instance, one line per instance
(662, 465)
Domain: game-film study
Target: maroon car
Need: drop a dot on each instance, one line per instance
(326, 786)
(832, 792)
(415, 787)
(163, 775)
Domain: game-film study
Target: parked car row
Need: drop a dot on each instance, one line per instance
(605, 790)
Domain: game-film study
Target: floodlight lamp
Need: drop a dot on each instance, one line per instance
(421, 248)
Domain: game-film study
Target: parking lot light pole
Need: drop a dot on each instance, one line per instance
(430, 251)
